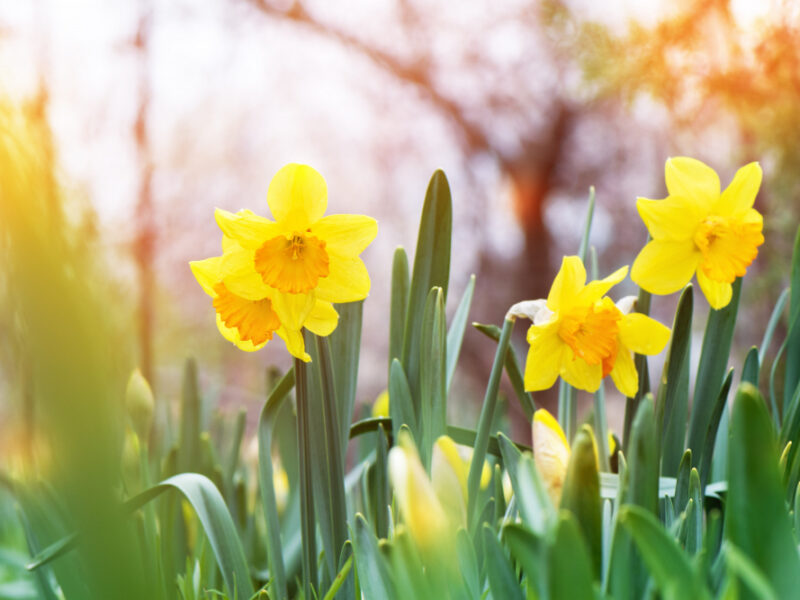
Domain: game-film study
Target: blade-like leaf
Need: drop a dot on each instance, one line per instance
(455, 335)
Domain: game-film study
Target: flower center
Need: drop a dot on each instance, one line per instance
(728, 246)
(294, 264)
(254, 320)
(593, 333)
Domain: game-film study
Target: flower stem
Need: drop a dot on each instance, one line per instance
(306, 500)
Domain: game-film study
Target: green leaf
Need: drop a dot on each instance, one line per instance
(792, 376)
(756, 519)
(345, 348)
(627, 578)
(534, 504)
(190, 427)
(739, 565)
(640, 360)
(502, 581)
(530, 552)
(433, 353)
(694, 531)
(468, 563)
(711, 370)
(581, 494)
(485, 422)
(327, 457)
(569, 564)
(682, 481)
(774, 318)
(373, 574)
(673, 393)
(512, 370)
(266, 429)
(750, 370)
(455, 335)
(431, 269)
(401, 404)
(669, 566)
(709, 446)
(399, 304)
(341, 576)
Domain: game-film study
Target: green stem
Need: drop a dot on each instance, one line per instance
(485, 421)
(306, 499)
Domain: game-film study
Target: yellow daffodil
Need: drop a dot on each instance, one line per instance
(550, 453)
(250, 322)
(697, 229)
(301, 256)
(581, 335)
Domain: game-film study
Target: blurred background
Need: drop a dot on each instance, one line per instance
(155, 112)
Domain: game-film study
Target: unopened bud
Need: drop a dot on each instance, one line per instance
(139, 403)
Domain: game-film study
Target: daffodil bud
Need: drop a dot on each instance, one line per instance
(419, 505)
(381, 406)
(550, 453)
(139, 403)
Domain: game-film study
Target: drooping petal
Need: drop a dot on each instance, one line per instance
(345, 235)
(689, 178)
(544, 357)
(718, 293)
(568, 283)
(624, 374)
(642, 334)
(246, 228)
(207, 273)
(232, 335)
(297, 196)
(741, 193)
(596, 289)
(675, 218)
(294, 343)
(348, 280)
(322, 319)
(240, 276)
(292, 309)
(580, 374)
(665, 267)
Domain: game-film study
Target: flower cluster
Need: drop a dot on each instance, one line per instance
(580, 334)
(280, 276)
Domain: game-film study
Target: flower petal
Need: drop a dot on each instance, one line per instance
(345, 235)
(247, 228)
(665, 267)
(741, 192)
(689, 178)
(718, 293)
(297, 196)
(240, 276)
(322, 319)
(207, 273)
(624, 374)
(544, 357)
(642, 334)
(596, 289)
(568, 283)
(294, 343)
(348, 280)
(580, 374)
(674, 218)
(292, 309)
(232, 335)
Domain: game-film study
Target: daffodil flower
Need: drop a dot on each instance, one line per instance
(697, 229)
(301, 256)
(551, 453)
(250, 323)
(581, 335)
